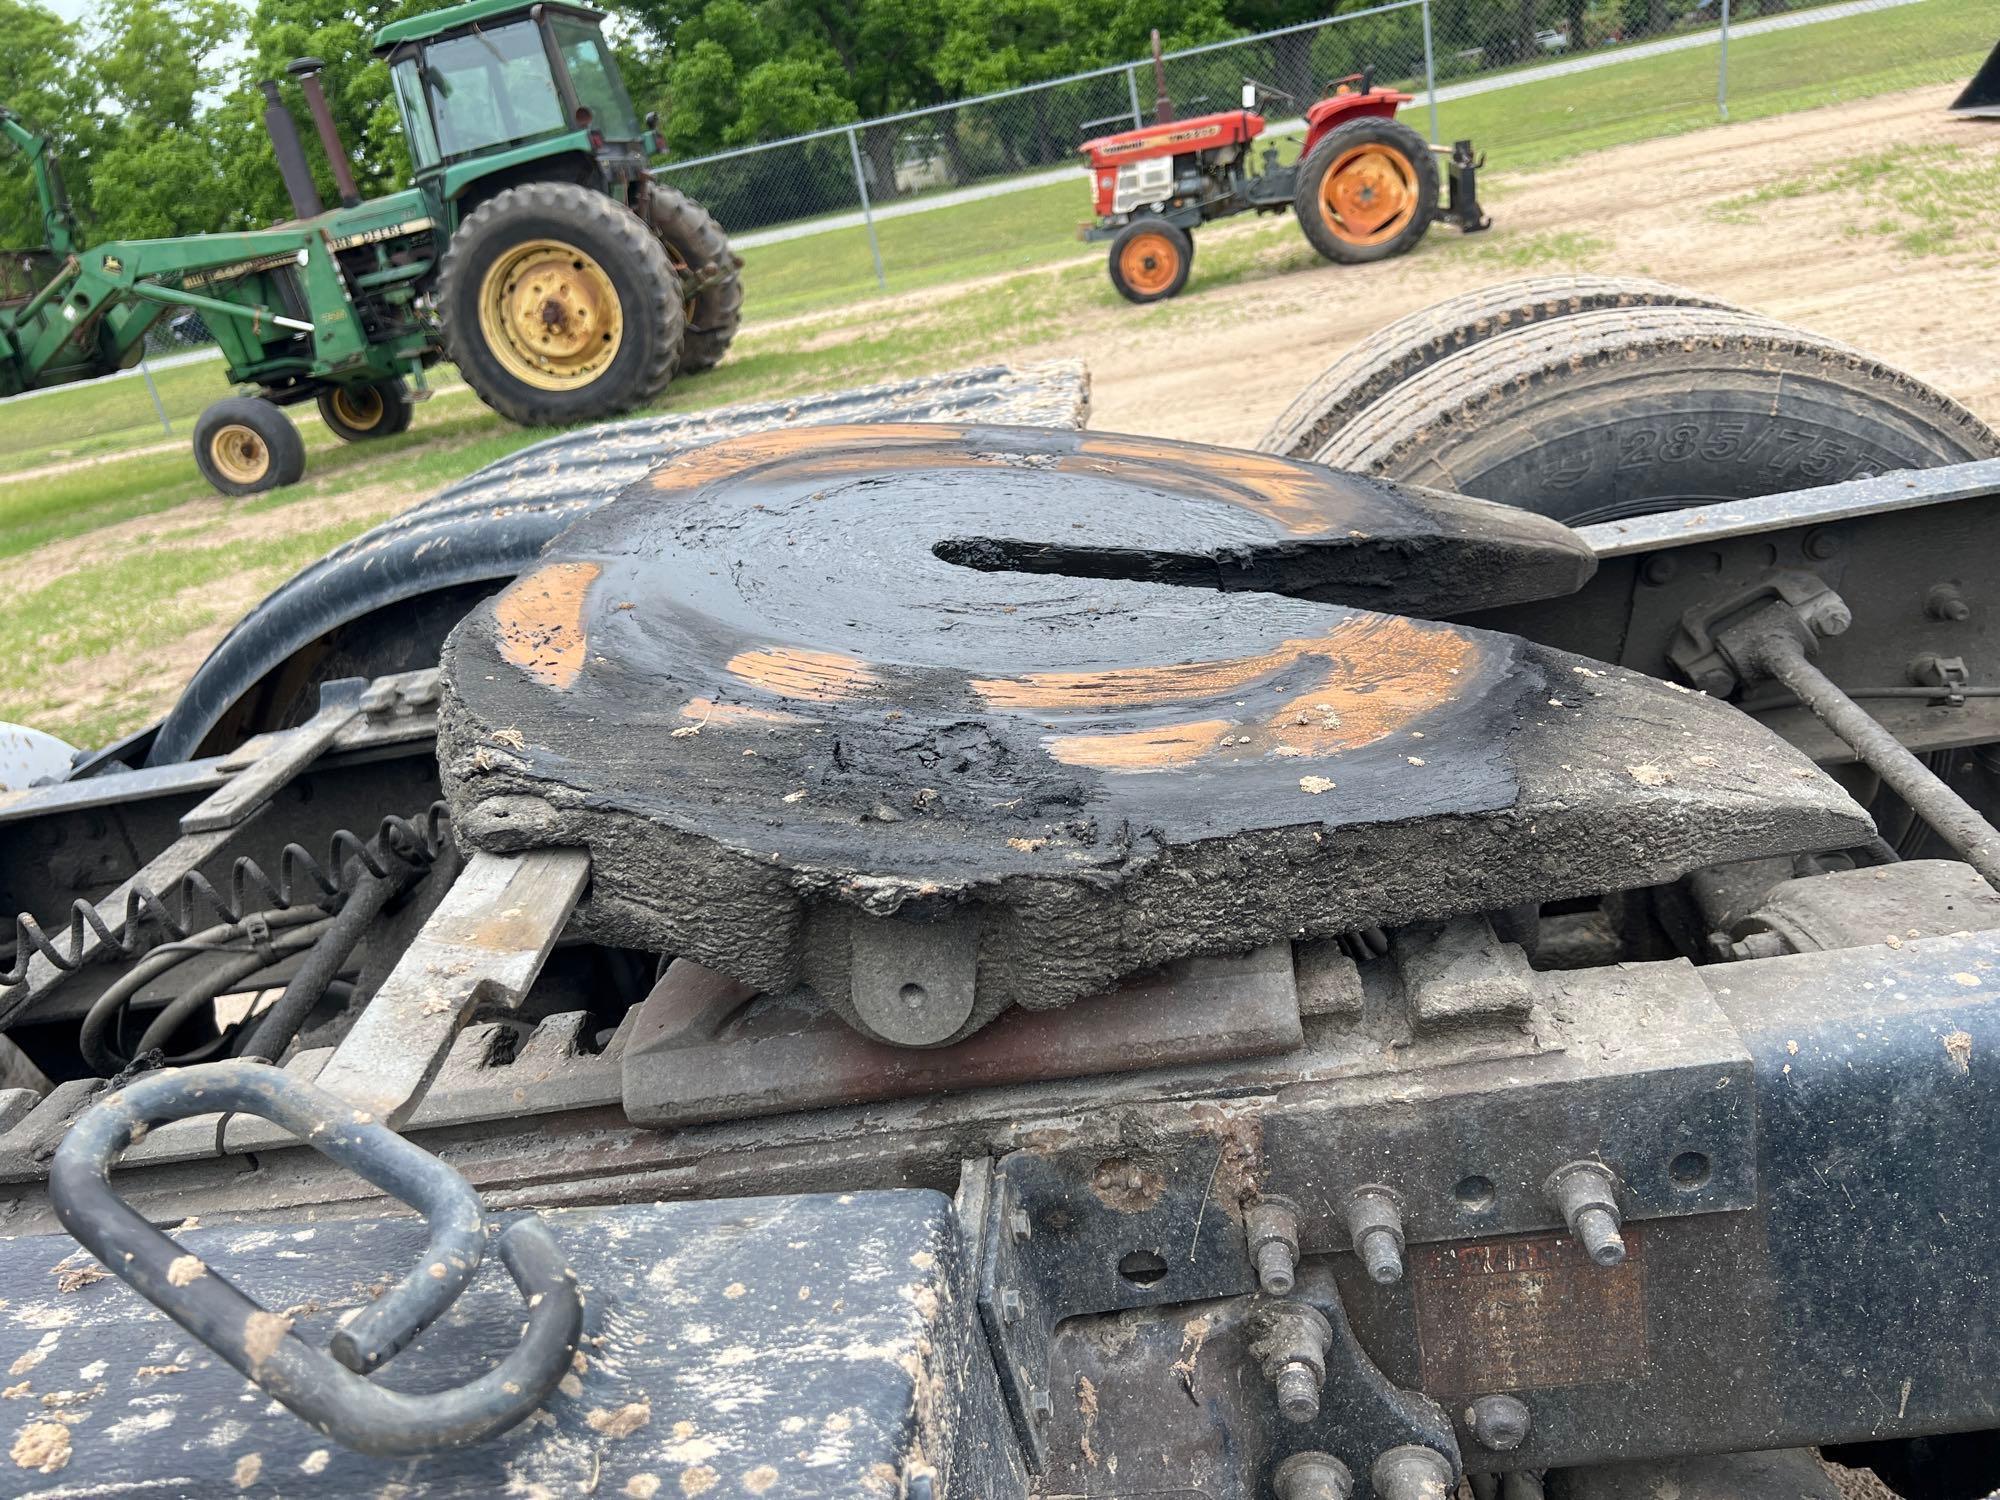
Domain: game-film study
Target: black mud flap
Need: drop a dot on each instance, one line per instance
(1981, 97)
(783, 1347)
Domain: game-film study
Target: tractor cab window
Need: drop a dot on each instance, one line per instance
(594, 76)
(416, 119)
(491, 88)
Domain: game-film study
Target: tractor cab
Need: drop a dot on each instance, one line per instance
(498, 87)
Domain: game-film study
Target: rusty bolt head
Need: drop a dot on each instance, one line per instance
(1498, 1422)
(1945, 602)
(1585, 1195)
(1298, 1391)
(1659, 569)
(1820, 543)
(1312, 1475)
(1412, 1472)
(1831, 616)
(1272, 1228)
(1375, 1225)
(1717, 682)
(1039, 1403)
(1011, 1306)
(1019, 1225)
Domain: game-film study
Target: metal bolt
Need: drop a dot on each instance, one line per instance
(1498, 1422)
(1298, 1391)
(1019, 1226)
(1597, 1228)
(1272, 1227)
(1659, 569)
(1945, 602)
(1312, 1475)
(1412, 1472)
(1011, 1306)
(1584, 1194)
(1821, 544)
(1289, 1341)
(1375, 1225)
(1717, 682)
(1831, 616)
(1040, 1404)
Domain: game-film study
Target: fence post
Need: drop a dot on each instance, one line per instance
(1721, 67)
(1430, 71)
(154, 391)
(1132, 88)
(867, 211)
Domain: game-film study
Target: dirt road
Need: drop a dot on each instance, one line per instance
(1221, 373)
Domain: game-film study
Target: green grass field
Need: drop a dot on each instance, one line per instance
(1531, 125)
(104, 612)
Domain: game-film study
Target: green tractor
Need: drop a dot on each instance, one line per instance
(534, 249)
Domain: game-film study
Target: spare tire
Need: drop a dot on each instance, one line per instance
(1411, 345)
(1607, 415)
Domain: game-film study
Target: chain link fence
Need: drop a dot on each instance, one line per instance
(996, 183)
(1529, 81)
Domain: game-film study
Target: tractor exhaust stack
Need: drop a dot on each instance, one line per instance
(1163, 107)
(291, 154)
(306, 70)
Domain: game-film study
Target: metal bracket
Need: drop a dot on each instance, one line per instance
(1701, 647)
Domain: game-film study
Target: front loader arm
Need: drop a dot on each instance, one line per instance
(58, 222)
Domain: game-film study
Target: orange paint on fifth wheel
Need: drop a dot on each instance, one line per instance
(538, 622)
(1369, 677)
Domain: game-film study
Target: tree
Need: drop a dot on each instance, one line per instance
(154, 149)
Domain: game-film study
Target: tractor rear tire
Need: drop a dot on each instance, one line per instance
(1367, 191)
(1150, 259)
(1629, 412)
(244, 445)
(559, 305)
(1409, 346)
(358, 413)
(697, 246)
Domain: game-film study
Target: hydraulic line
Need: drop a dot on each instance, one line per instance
(99, 1039)
(1957, 822)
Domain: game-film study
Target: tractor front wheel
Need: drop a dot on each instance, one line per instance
(1150, 260)
(559, 305)
(244, 445)
(1367, 191)
(710, 272)
(356, 413)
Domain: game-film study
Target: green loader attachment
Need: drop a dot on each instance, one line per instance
(534, 249)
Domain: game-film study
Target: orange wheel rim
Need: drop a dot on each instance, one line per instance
(1369, 194)
(1149, 262)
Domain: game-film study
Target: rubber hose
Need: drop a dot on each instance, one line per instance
(108, 1007)
(159, 1031)
(322, 966)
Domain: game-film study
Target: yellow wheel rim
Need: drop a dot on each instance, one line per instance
(1368, 194)
(550, 315)
(240, 453)
(1149, 262)
(359, 407)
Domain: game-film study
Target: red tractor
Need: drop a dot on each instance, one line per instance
(1364, 186)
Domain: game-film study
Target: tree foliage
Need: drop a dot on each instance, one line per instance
(154, 104)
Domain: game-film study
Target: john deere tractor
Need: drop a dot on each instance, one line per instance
(534, 249)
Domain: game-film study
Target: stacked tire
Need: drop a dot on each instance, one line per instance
(1596, 398)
